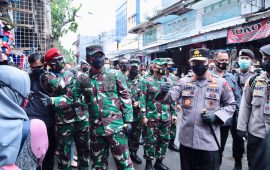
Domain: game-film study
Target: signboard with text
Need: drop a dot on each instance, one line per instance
(249, 32)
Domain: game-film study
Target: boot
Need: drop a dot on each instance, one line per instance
(134, 157)
(172, 146)
(237, 164)
(148, 165)
(160, 166)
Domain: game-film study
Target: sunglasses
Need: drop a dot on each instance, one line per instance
(54, 60)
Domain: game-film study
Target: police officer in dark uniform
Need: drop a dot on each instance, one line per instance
(221, 61)
(254, 113)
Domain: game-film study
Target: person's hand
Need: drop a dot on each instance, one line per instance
(209, 118)
(144, 121)
(46, 100)
(174, 119)
(165, 86)
(127, 128)
(242, 135)
(136, 104)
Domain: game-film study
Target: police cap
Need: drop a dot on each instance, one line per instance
(265, 50)
(246, 52)
(199, 54)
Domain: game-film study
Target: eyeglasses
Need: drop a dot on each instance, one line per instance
(54, 60)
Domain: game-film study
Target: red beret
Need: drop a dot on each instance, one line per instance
(51, 53)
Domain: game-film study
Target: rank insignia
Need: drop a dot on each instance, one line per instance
(187, 102)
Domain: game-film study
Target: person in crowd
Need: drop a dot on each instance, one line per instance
(84, 66)
(221, 61)
(110, 107)
(143, 70)
(71, 117)
(207, 102)
(35, 108)
(172, 79)
(124, 66)
(23, 142)
(155, 117)
(254, 120)
(134, 83)
(246, 70)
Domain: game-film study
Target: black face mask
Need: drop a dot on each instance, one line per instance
(97, 62)
(266, 66)
(36, 72)
(133, 73)
(199, 69)
(221, 66)
(85, 69)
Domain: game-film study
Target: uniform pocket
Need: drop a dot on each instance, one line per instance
(211, 101)
(187, 99)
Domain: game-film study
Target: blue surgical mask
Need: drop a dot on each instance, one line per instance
(244, 64)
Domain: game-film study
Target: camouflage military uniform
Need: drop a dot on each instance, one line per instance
(135, 89)
(159, 119)
(109, 106)
(71, 119)
(173, 79)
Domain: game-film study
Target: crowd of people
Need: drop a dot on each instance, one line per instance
(97, 107)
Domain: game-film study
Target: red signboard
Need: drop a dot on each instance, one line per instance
(249, 32)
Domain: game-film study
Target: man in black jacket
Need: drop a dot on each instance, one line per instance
(35, 109)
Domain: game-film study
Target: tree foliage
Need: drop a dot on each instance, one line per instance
(63, 17)
(69, 54)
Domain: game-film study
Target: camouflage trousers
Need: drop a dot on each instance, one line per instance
(66, 134)
(118, 144)
(156, 140)
(173, 131)
(134, 138)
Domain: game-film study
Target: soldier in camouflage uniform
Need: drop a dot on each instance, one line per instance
(123, 66)
(71, 116)
(172, 79)
(134, 84)
(84, 66)
(156, 117)
(110, 110)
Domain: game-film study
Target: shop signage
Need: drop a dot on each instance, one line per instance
(249, 32)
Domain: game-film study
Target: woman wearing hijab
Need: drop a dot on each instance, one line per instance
(14, 144)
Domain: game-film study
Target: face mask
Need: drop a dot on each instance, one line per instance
(162, 71)
(38, 71)
(5, 38)
(97, 62)
(266, 66)
(244, 64)
(200, 69)
(85, 69)
(221, 66)
(133, 73)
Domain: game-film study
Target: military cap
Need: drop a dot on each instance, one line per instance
(51, 53)
(93, 49)
(160, 61)
(246, 52)
(200, 54)
(134, 62)
(265, 50)
(169, 61)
